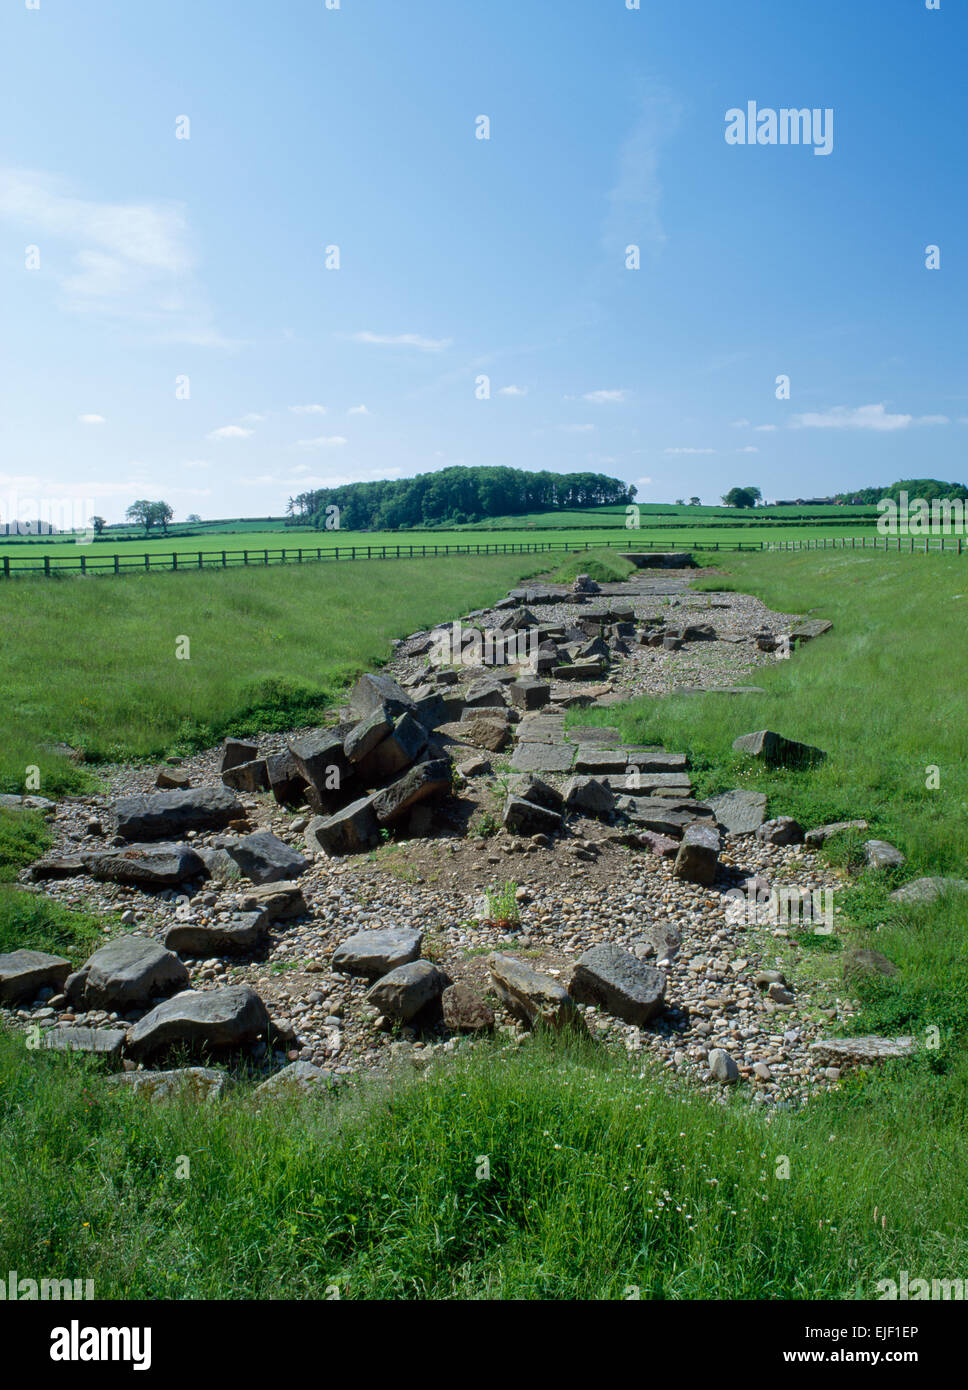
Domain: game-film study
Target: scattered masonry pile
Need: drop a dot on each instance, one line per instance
(412, 745)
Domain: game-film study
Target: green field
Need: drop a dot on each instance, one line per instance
(95, 666)
(603, 1178)
(266, 547)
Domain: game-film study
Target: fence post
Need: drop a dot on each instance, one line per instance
(224, 561)
(83, 564)
(147, 562)
(245, 557)
(6, 566)
(174, 559)
(266, 556)
(116, 564)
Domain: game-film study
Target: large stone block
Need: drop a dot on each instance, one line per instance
(156, 865)
(403, 992)
(425, 781)
(612, 979)
(376, 953)
(777, 751)
(348, 831)
(531, 996)
(248, 777)
(371, 691)
(523, 817)
(698, 857)
(23, 973)
(166, 815)
(124, 974)
(395, 753)
(202, 1021)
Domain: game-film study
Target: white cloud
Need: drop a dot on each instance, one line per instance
(323, 441)
(747, 449)
(740, 425)
(513, 391)
(308, 409)
(253, 418)
(92, 419)
(604, 397)
(577, 429)
(634, 201)
(862, 417)
(765, 429)
(689, 451)
(357, 410)
(230, 432)
(130, 261)
(643, 482)
(403, 340)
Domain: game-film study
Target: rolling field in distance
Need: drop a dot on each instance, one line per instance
(210, 545)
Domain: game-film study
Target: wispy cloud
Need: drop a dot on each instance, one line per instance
(130, 261)
(740, 424)
(308, 409)
(414, 340)
(92, 419)
(604, 397)
(513, 391)
(230, 432)
(634, 201)
(357, 410)
(687, 450)
(576, 429)
(862, 417)
(323, 441)
(765, 429)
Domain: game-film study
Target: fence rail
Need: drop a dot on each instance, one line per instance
(146, 562)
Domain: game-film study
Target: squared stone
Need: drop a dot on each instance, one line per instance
(529, 694)
(543, 757)
(599, 760)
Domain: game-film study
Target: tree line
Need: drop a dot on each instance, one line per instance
(455, 496)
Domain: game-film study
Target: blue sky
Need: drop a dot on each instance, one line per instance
(162, 258)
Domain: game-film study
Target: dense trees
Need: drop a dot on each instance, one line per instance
(928, 488)
(456, 495)
(742, 497)
(148, 514)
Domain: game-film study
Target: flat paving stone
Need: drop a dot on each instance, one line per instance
(590, 759)
(543, 757)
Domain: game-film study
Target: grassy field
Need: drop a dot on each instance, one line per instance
(205, 551)
(95, 665)
(601, 1179)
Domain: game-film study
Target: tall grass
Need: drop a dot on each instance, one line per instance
(882, 694)
(93, 662)
(548, 1172)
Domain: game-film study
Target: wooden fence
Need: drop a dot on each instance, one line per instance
(146, 562)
